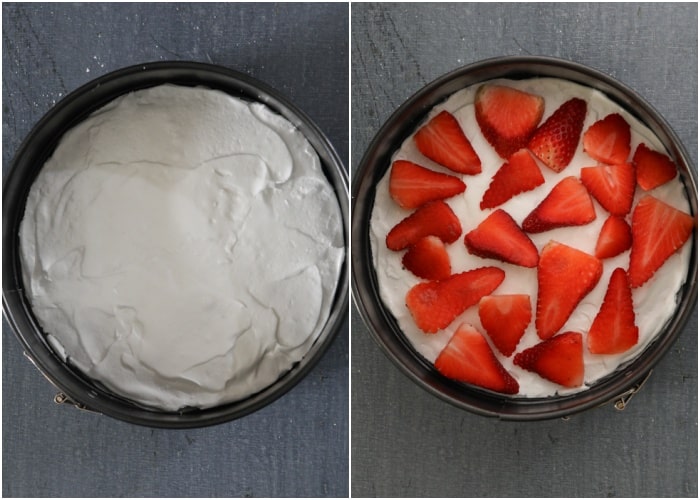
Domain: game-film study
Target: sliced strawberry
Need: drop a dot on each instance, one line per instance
(499, 237)
(653, 168)
(567, 204)
(443, 141)
(612, 185)
(558, 359)
(435, 218)
(555, 141)
(507, 117)
(519, 174)
(658, 230)
(435, 304)
(428, 259)
(467, 357)
(505, 318)
(565, 276)
(608, 140)
(613, 330)
(411, 185)
(615, 237)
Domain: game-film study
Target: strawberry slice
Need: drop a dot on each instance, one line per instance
(608, 140)
(443, 141)
(435, 218)
(555, 141)
(505, 318)
(507, 117)
(612, 185)
(615, 237)
(653, 168)
(558, 359)
(435, 304)
(411, 185)
(658, 230)
(499, 237)
(567, 204)
(613, 330)
(519, 174)
(467, 357)
(428, 259)
(565, 275)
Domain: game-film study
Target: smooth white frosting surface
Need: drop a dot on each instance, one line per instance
(655, 302)
(182, 247)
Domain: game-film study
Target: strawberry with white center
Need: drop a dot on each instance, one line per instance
(428, 259)
(507, 117)
(505, 318)
(434, 305)
(411, 185)
(614, 238)
(432, 219)
(567, 204)
(565, 276)
(467, 357)
(658, 231)
(443, 141)
(612, 185)
(653, 168)
(608, 140)
(613, 330)
(499, 237)
(519, 174)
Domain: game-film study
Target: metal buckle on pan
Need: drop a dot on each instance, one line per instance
(623, 399)
(63, 398)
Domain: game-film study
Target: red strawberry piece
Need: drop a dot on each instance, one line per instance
(612, 185)
(507, 117)
(505, 318)
(443, 141)
(558, 359)
(435, 218)
(615, 237)
(467, 357)
(565, 275)
(567, 204)
(555, 141)
(519, 174)
(658, 230)
(428, 259)
(613, 330)
(653, 168)
(499, 237)
(608, 140)
(411, 185)
(435, 304)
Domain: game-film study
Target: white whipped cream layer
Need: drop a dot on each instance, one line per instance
(182, 247)
(655, 302)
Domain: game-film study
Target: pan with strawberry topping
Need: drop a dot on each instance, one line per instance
(530, 236)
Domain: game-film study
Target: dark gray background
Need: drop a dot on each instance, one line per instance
(406, 442)
(298, 446)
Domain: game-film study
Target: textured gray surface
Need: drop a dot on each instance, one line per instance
(298, 446)
(406, 442)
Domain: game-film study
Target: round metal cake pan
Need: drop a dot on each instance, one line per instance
(382, 325)
(38, 147)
